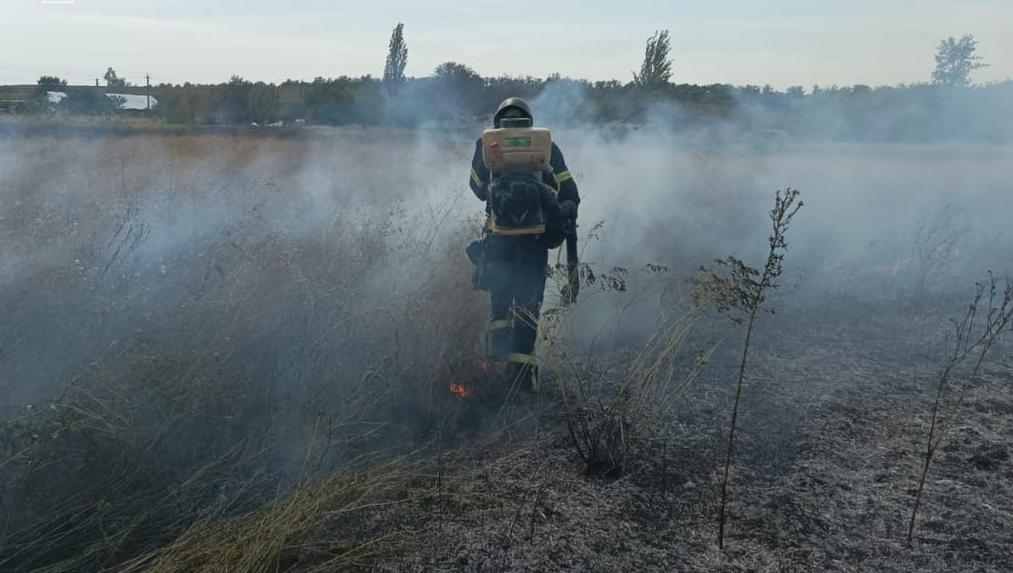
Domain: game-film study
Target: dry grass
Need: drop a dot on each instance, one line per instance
(230, 321)
(604, 412)
(252, 317)
(280, 536)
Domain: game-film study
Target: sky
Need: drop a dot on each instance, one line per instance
(776, 42)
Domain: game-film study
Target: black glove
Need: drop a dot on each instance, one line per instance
(568, 210)
(476, 252)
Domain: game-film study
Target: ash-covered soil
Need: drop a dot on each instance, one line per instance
(831, 444)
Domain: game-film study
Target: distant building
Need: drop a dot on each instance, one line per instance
(15, 99)
(134, 102)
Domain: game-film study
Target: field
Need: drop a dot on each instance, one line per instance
(233, 352)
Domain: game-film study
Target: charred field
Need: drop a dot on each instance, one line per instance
(233, 352)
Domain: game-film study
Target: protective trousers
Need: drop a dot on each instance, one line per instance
(516, 277)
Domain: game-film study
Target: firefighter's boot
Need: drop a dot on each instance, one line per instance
(498, 339)
(523, 373)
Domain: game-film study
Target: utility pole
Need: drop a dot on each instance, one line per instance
(147, 81)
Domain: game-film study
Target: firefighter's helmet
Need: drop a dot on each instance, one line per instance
(514, 105)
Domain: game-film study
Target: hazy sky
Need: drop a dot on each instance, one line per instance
(780, 42)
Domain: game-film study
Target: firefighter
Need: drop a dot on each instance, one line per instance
(514, 263)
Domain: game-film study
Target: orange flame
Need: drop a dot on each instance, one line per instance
(461, 391)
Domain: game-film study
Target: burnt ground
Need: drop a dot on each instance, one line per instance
(829, 452)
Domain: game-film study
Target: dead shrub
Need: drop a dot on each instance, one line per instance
(975, 335)
(605, 412)
(739, 290)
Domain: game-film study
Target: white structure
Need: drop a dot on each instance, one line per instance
(134, 102)
(131, 102)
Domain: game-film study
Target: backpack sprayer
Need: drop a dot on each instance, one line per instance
(517, 155)
(517, 146)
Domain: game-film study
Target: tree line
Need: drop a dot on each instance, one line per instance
(454, 92)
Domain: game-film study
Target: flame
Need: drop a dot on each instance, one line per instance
(461, 390)
(466, 390)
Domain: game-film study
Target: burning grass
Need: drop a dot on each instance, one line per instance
(246, 333)
(231, 328)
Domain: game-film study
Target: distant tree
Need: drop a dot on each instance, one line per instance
(328, 100)
(51, 83)
(264, 103)
(397, 59)
(459, 89)
(608, 85)
(656, 70)
(498, 89)
(112, 80)
(234, 106)
(750, 92)
(955, 60)
(175, 106)
(40, 99)
(345, 100)
(455, 72)
(89, 101)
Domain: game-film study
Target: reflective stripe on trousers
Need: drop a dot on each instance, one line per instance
(521, 358)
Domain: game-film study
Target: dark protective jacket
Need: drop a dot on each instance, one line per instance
(560, 178)
(561, 212)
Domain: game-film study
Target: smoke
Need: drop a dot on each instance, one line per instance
(562, 103)
(298, 257)
(102, 236)
(663, 195)
(920, 197)
(313, 292)
(166, 245)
